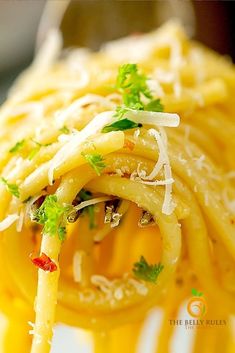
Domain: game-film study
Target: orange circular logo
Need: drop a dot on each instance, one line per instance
(197, 307)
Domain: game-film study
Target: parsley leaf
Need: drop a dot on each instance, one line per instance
(123, 124)
(136, 95)
(84, 196)
(33, 152)
(62, 232)
(149, 273)
(17, 146)
(120, 112)
(52, 215)
(12, 188)
(95, 160)
(64, 130)
(154, 106)
(132, 85)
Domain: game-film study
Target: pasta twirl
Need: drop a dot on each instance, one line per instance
(117, 193)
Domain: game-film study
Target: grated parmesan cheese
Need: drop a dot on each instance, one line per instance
(118, 293)
(199, 162)
(181, 160)
(163, 162)
(116, 217)
(102, 119)
(101, 282)
(77, 139)
(157, 182)
(31, 324)
(154, 118)
(116, 289)
(77, 266)
(136, 134)
(139, 286)
(168, 206)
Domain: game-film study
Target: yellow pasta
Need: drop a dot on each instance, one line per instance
(111, 207)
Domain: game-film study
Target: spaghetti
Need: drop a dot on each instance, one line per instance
(119, 205)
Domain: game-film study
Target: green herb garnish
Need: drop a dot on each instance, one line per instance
(17, 146)
(33, 152)
(95, 160)
(84, 196)
(62, 232)
(123, 124)
(133, 87)
(53, 216)
(136, 95)
(12, 188)
(146, 272)
(154, 106)
(64, 130)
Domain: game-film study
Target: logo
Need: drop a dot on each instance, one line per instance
(197, 306)
(193, 314)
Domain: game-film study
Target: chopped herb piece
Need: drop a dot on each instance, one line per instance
(17, 146)
(149, 273)
(37, 143)
(64, 130)
(62, 232)
(95, 160)
(53, 216)
(12, 188)
(120, 112)
(44, 262)
(91, 214)
(34, 152)
(84, 196)
(154, 106)
(123, 124)
(133, 86)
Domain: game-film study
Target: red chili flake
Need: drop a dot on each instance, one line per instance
(44, 262)
(129, 144)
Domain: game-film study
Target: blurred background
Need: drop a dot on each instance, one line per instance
(91, 22)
